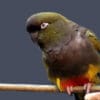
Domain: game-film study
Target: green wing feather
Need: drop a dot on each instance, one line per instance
(96, 44)
(93, 39)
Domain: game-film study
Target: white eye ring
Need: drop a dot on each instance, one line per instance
(44, 25)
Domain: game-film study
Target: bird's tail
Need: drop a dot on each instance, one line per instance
(79, 96)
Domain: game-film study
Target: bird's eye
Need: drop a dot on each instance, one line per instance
(44, 25)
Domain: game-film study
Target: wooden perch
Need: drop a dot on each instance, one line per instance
(40, 88)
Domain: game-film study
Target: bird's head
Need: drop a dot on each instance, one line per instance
(46, 27)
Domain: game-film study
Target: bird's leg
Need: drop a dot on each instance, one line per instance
(87, 87)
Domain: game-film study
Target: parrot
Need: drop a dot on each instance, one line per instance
(70, 52)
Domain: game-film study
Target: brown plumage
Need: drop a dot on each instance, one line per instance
(70, 51)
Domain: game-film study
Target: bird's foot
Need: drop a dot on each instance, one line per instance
(67, 85)
(87, 87)
(69, 90)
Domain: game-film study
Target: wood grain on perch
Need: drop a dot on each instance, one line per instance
(39, 88)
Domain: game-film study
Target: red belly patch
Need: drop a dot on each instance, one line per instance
(75, 81)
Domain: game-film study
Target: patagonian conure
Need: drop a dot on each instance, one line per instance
(70, 51)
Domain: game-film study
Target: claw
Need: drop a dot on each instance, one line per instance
(69, 89)
(87, 87)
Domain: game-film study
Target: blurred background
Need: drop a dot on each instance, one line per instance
(20, 60)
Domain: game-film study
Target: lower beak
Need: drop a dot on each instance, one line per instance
(34, 36)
